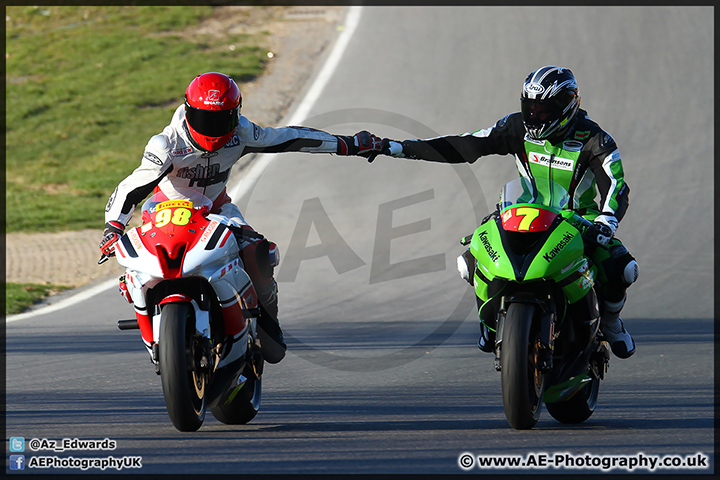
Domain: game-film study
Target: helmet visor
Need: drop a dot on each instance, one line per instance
(538, 112)
(211, 123)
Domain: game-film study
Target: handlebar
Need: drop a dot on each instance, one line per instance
(581, 220)
(586, 232)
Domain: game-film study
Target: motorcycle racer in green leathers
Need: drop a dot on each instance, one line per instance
(553, 139)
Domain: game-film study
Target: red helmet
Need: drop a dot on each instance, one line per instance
(212, 107)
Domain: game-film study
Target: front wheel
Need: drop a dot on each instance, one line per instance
(521, 379)
(183, 380)
(579, 407)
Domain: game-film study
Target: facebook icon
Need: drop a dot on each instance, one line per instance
(17, 462)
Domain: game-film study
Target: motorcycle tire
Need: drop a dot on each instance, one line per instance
(244, 406)
(183, 382)
(578, 408)
(521, 379)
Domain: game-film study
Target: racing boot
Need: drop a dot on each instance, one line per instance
(620, 340)
(272, 342)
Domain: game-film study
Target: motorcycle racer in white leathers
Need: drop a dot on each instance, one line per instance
(205, 138)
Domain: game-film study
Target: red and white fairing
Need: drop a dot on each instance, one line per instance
(180, 239)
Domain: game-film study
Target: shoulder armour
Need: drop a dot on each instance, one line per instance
(159, 143)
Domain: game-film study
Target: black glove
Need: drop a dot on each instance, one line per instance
(112, 233)
(362, 143)
(391, 148)
(599, 233)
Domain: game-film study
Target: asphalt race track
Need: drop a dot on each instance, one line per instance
(383, 375)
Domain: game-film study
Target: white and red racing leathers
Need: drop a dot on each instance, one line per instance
(171, 160)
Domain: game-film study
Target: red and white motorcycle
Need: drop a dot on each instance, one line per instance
(196, 309)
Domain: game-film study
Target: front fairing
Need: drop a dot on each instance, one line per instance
(563, 246)
(178, 238)
(184, 257)
(488, 248)
(528, 239)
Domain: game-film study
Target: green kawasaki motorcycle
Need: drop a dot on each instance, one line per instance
(537, 305)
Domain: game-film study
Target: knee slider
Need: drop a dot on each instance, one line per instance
(631, 272)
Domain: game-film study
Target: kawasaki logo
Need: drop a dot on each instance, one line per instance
(488, 248)
(564, 241)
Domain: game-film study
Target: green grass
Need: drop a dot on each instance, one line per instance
(19, 296)
(86, 87)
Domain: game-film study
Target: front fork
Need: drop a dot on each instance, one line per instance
(546, 339)
(232, 328)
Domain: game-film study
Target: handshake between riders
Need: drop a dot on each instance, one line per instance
(207, 135)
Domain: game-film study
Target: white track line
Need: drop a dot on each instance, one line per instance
(80, 297)
(263, 161)
(259, 166)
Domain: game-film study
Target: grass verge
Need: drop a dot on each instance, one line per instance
(20, 296)
(86, 87)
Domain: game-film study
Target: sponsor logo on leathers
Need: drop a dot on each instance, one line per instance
(181, 152)
(572, 145)
(202, 176)
(153, 158)
(557, 162)
(233, 142)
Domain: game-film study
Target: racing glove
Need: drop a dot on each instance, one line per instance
(362, 143)
(112, 233)
(603, 229)
(389, 147)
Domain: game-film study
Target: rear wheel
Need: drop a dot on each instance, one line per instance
(578, 408)
(522, 381)
(243, 405)
(183, 380)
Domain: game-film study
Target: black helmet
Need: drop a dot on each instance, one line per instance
(549, 101)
